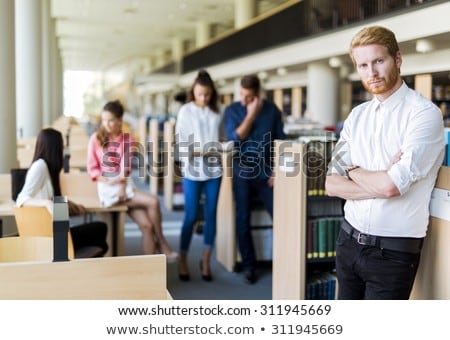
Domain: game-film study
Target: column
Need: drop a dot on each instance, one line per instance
(322, 93)
(58, 74)
(8, 142)
(28, 67)
(47, 69)
(202, 33)
(177, 52)
(244, 11)
(161, 58)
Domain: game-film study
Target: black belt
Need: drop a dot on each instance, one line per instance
(404, 244)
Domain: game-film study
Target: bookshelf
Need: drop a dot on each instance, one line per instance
(307, 218)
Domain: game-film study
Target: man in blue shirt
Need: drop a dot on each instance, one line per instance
(253, 124)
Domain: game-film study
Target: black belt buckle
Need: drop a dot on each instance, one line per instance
(363, 239)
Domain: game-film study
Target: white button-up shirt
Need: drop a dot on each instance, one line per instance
(372, 134)
(199, 126)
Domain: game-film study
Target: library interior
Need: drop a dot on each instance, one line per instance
(147, 56)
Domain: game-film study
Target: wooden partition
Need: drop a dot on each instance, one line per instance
(108, 278)
(433, 275)
(226, 216)
(26, 248)
(154, 166)
(289, 222)
(169, 171)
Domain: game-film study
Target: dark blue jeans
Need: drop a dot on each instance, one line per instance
(192, 194)
(243, 190)
(371, 273)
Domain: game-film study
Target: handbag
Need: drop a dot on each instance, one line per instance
(108, 193)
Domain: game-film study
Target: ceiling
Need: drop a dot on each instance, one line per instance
(100, 34)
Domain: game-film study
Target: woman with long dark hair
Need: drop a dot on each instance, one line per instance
(42, 184)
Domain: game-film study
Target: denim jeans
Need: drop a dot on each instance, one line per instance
(192, 194)
(368, 272)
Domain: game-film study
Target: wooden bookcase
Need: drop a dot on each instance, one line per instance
(295, 202)
(289, 232)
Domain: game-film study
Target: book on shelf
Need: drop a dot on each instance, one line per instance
(321, 235)
(321, 286)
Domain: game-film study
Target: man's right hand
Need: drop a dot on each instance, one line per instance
(254, 106)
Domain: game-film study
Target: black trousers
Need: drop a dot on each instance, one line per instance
(90, 234)
(368, 272)
(243, 190)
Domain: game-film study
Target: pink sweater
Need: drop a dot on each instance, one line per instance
(112, 160)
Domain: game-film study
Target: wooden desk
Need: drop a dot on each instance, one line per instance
(113, 278)
(114, 217)
(79, 188)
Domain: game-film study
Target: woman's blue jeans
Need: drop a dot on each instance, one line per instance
(192, 195)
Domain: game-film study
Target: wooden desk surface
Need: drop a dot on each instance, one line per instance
(118, 278)
(93, 205)
(113, 216)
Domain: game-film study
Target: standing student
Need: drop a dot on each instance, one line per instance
(42, 185)
(109, 164)
(252, 123)
(384, 165)
(197, 130)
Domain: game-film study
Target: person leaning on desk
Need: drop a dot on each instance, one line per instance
(42, 184)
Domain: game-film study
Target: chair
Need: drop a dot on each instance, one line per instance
(37, 221)
(26, 248)
(18, 176)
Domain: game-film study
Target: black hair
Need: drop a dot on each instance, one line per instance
(49, 147)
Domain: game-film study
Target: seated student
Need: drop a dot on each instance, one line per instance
(109, 164)
(42, 184)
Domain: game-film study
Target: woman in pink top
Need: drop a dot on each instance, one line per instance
(109, 164)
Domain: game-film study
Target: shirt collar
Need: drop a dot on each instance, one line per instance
(394, 99)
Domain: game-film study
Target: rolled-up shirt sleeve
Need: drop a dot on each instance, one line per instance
(422, 148)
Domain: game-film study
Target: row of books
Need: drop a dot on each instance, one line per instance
(318, 155)
(321, 235)
(324, 206)
(322, 286)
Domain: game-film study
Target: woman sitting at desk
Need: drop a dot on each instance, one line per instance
(42, 184)
(109, 164)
